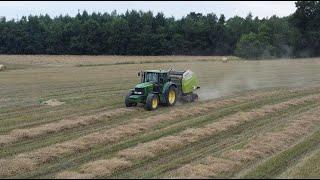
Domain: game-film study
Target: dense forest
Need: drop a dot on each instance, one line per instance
(145, 33)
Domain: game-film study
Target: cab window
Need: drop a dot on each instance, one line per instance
(151, 77)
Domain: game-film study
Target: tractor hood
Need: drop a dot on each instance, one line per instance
(144, 85)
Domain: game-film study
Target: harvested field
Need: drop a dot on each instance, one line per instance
(18, 134)
(171, 143)
(259, 147)
(64, 117)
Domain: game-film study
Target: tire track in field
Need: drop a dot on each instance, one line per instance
(127, 157)
(34, 159)
(259, 147)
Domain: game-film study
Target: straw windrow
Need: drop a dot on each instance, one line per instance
(54, 127)
(136, 126)
(154, 148)
(259, 147)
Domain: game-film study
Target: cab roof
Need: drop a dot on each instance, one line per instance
(157, 71)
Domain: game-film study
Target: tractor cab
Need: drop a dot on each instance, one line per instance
(154, 76)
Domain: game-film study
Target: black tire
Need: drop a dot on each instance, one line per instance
(171, 88)
(150, 99)
(127, 101)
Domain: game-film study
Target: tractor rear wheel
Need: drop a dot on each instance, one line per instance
(171, 96)
(128, 102)
(152, 102)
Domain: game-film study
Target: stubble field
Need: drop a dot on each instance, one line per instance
(64, 117)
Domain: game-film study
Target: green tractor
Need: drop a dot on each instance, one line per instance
(163, 87)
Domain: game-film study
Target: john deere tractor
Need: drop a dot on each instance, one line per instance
(163, 87)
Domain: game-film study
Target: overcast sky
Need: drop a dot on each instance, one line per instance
(177, 9)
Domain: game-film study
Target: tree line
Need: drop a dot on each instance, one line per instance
(145, 33)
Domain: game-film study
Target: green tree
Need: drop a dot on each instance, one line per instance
(145, 33)
(307, 20)
(253, 46)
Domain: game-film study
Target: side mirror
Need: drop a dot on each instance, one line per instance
(138, 73)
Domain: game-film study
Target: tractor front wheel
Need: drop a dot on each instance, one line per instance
(152, 102)
(128, 102)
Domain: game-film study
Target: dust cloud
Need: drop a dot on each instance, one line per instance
(241, 79)
(232, 77)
